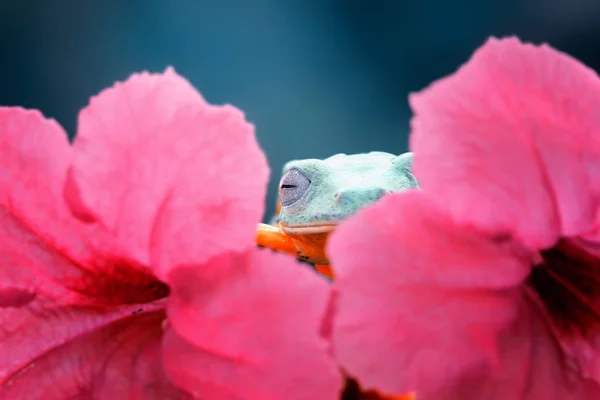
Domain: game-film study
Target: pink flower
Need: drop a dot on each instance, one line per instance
(485, 284)
(127, 262)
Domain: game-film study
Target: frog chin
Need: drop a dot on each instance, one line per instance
(322, 227)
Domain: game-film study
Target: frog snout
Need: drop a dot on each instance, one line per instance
(360, 197)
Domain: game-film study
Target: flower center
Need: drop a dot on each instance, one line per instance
(353, 391)
(568, 282)
(119, 282)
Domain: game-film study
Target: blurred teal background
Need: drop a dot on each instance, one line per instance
(315, 77)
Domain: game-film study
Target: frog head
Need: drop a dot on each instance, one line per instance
(315, 195)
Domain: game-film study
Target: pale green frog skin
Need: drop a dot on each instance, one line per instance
(315, 195)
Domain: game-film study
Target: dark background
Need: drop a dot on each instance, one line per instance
(316, 77)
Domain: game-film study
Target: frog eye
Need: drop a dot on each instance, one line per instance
(292, 187)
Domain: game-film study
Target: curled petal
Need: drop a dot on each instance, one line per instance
(510, 143)
(174, 178)
(246, 326)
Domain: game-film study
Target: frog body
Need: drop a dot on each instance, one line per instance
(316, 195)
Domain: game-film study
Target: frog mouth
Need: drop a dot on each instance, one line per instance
(322, 227)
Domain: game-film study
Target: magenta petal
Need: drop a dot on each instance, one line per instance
(36, 152)
(510, 143)
(161, 168)
(35, 155)
(69, 325)
(246, 326)
(440, 310)
(397, 232)
(121, 360)
(217, 197)
(39, 239)
(59, 340)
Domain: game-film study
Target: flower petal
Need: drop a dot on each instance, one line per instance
(461, 258)
(167, 172)
(246, 326)
(438, 310)
(35, 157)
(64, 305)
(121, 360)
(510, 143)
(61, 337)
(39, 239)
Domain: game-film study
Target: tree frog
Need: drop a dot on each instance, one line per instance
(315, 195)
